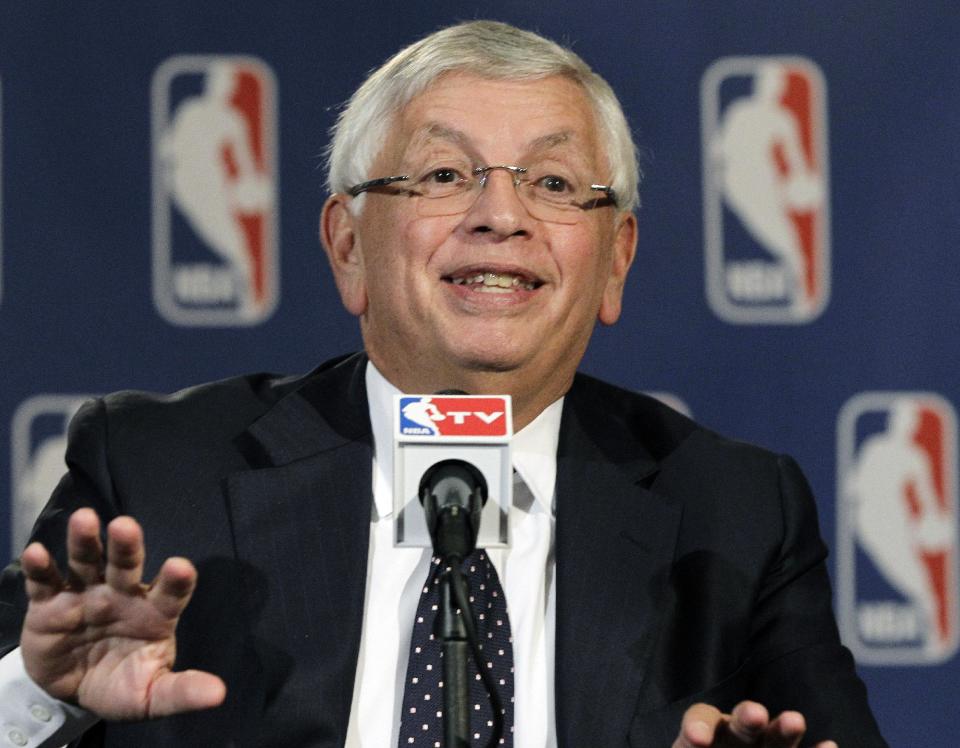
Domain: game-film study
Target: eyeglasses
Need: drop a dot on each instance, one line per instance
(447, 190)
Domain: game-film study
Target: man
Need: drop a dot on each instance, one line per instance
(481, 218)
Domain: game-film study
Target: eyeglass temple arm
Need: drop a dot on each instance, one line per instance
(382, 182)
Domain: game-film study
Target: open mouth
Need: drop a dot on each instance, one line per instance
(489, 281)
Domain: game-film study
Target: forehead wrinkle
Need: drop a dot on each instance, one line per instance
(437, 134)
(430, 132)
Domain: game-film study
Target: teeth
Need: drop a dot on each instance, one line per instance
(494, 282)
(499, 281)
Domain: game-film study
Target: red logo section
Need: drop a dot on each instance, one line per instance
(897, 550)
(452, 415)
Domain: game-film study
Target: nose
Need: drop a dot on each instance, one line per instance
(498, 208)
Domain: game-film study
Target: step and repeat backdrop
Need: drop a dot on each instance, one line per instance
(797, 282)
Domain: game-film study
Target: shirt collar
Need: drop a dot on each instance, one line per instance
(533, 449)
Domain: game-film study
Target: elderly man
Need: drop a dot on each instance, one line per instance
(662, 584)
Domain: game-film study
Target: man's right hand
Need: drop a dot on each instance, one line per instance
(100, 638)
(749, 724)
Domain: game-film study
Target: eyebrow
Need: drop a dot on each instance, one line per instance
(436, 131)
(551, 140)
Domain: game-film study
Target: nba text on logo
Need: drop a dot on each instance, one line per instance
(897, 549)
(214, 191)
(766, 191)
(39, 441)
(446, 416)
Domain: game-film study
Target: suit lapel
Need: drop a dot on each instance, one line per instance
(301, 528)
(614, 544)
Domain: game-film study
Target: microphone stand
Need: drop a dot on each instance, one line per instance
(456, 653)
(453, 529)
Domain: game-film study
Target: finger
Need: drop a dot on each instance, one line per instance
(786, 730)
(186, 691)
(43, 579)
(748, 722)
(124, 555)
(173, 587)
(84, 550)
(826, 744)
(699, 726)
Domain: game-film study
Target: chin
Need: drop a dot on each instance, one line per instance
(490, 359)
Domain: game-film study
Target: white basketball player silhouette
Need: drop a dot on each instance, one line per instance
(209, 189)
(37, 481)
(753, 129)
(898, 517)
(423, 413)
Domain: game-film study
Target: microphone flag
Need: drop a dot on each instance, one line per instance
(429, 429)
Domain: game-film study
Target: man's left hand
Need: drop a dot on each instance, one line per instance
(749, 724)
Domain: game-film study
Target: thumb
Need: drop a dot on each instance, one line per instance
(186, 691)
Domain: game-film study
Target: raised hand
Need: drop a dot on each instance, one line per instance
(102, 639)
(749, 724)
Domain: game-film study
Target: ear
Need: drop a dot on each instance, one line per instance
(340, 241)
(624, 250)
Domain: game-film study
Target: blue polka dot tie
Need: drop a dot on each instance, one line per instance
(421, 721)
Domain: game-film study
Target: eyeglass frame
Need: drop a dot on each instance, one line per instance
(483, 172)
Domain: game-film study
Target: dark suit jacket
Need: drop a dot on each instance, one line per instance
(689, 567)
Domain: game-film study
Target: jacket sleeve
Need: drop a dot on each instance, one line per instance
(797, 660)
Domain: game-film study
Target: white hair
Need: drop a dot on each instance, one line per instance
(489, 49)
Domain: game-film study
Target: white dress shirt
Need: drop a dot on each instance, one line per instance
(395, 578)
(29, 718)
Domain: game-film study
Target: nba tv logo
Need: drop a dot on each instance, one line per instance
(454, 416)
(215, 254)
(766, 191)
(39, 442)
(897, 555)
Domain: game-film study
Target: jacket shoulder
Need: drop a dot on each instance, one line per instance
(625, 418)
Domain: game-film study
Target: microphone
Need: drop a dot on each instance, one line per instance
(453, 493)
(452, 469)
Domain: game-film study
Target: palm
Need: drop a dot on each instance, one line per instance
(106, 641)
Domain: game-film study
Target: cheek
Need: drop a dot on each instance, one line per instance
(417, 248)
(398, 258)
(583, 258)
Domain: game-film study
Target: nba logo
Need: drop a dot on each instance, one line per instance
(765, 184)
(39, 434)
(215, 254)
(419, 415)
(897, 550)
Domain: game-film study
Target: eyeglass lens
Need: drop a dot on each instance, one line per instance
(460, 200)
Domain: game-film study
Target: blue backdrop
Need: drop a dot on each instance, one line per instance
(796, 283)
